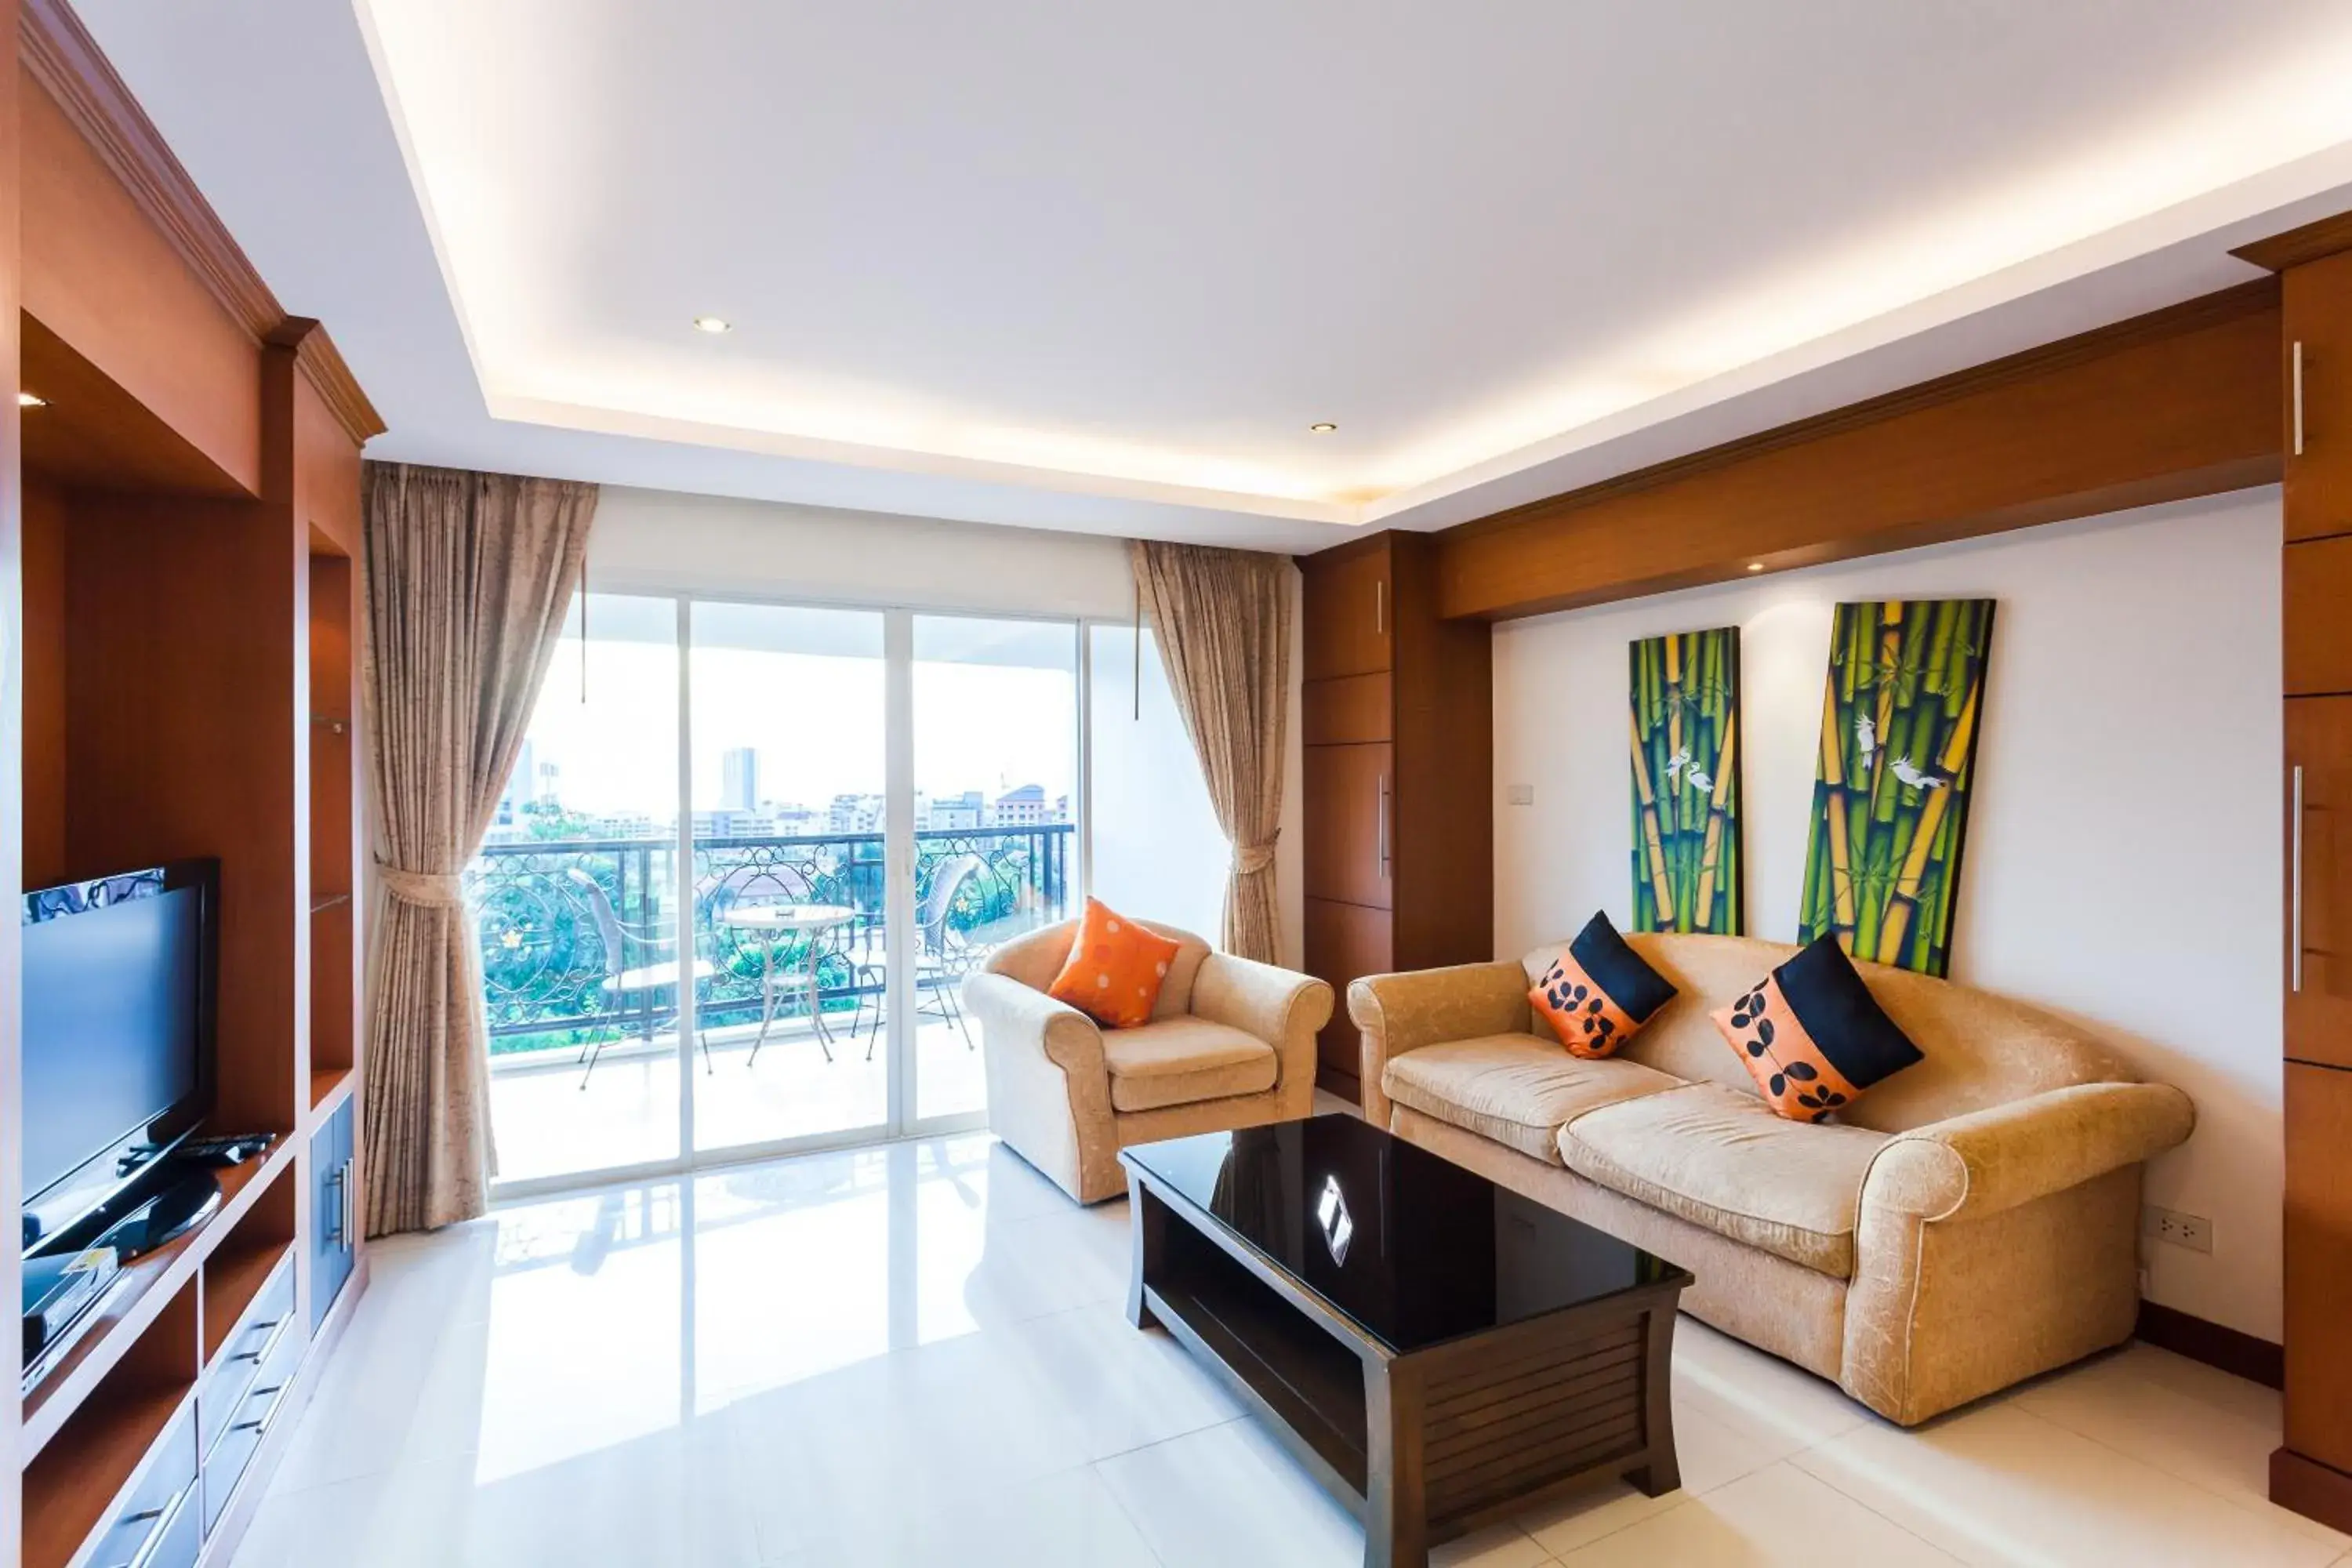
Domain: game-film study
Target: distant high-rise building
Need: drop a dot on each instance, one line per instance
(739, 789)
(1021, 808)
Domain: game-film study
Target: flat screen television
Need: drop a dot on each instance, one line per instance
(120, 975)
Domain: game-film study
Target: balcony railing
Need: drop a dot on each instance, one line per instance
(551, 973)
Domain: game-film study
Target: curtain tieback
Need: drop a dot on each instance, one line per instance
(1249, 859)
(429, 890)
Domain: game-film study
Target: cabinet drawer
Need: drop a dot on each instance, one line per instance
(268, 1315)
(2319, 617)
(2317, 300)
(1350, 823)
(1351, 708)
(153, 1512)
(249, 1421)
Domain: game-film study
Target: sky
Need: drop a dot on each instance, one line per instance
(805, 688)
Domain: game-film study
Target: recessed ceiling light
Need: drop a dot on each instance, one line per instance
(31, 400)
(714, 325)
(1755, 566)
(1322, 428)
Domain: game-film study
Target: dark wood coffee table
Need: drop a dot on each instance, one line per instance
(1438, 1351)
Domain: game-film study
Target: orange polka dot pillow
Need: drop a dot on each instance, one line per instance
(1115, 970)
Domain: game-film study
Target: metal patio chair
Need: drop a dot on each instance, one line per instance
(624, 980)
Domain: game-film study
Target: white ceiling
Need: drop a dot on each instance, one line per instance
(1095, 264)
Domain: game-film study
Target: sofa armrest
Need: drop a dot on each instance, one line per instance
(1013, 1018)
(1280, 1006)
(1400, 1013)
(2004, 1155)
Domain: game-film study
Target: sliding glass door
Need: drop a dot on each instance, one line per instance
(790, 804)
(575, 895)
(753, 849)
(995, 815)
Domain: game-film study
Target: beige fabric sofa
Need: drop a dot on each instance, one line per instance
(1970, 1222)
(1231, 1044)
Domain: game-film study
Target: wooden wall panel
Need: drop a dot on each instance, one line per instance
(2318, 1264)
(1444, 797)
(326, 471)
(1347, 710)
(184, 642)
(2318, 586)
(2181, 403)
(45, 685)
(107, 282)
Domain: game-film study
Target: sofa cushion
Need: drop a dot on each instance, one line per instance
(1515, 1088)
(1721, 1159)
(1178, 1060)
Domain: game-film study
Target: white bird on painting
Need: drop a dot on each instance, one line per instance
(1865, 737)
(1676, 763)
(1700, 782)
(1914, 777)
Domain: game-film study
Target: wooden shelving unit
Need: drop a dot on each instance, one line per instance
(183, 513)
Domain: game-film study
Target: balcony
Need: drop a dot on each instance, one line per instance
(580, 982)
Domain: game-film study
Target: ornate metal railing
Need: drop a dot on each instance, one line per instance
(577, 934)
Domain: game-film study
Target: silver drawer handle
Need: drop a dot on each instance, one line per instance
(143, 1516)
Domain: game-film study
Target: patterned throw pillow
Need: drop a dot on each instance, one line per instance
(1115, 970)
(1812, 1037)
(1597, 992)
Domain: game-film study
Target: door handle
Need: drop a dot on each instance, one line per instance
(1380, 827)
(348, 1232)
(2295, 886)
(1380, 598)
(2297, 399)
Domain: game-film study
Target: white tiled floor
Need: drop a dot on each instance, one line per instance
(917, 1354)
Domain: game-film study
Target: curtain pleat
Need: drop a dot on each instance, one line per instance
(468, 578)
(1222, 620)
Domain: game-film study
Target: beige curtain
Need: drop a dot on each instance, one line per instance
(470, 575)
(1223, 618)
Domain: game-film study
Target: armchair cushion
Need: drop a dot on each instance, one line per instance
(1515, 1088)
(1176, 1061)
(1724, 1161)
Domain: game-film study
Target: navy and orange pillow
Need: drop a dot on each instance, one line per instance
(1598, 993)
(1812, 1037)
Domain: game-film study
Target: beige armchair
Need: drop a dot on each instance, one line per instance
(1231, 1044)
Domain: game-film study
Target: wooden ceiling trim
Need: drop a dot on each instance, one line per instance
(330, 376)
(61, 55)
(2297, 245)
(2178, 403)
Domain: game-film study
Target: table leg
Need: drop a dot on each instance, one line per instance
(1396, 1524)
(1148, 1222)
(815, 1003)
(767, 995)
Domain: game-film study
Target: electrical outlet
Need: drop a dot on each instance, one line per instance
(2192, 1231)
(1521, 795)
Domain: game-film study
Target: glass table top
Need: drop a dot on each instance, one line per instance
(1411, 1247)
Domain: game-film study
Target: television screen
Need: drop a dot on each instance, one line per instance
(113, 1020)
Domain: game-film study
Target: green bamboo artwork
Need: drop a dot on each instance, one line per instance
(1685, 710)
(1900, 719)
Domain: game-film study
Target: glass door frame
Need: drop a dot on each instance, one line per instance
(899, 857)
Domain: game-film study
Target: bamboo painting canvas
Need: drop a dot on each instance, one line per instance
(1900, 718)
(1685, 711)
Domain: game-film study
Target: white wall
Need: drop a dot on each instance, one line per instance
(660, 542)
(2124, 859)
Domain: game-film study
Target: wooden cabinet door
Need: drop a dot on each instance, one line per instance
(2318, 607)
(2318, 316)
(2319, 880)
(1350, 815)
(2320, 1263)
(1349, 599)
(1344, 943)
